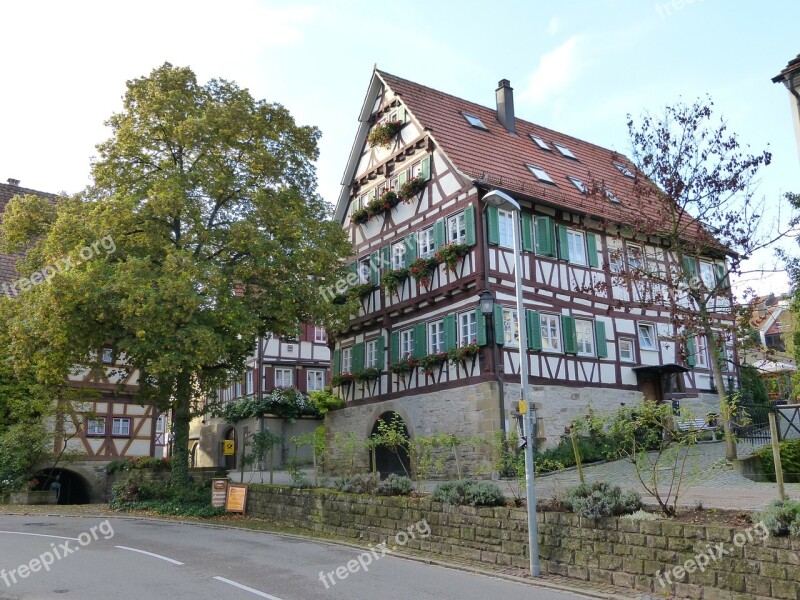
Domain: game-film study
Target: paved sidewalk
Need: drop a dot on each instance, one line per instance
(710, 480)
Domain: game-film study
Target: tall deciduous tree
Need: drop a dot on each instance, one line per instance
(692, 193)
(201, 231)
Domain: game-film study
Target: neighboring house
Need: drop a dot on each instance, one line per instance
(584, 350)
(121, 427)
(302, 362)
(790, 77)
(774, 320)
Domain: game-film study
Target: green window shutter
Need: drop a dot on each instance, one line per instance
(380, 353)
(722, 278)
(499, 333)
(527, 232)
(337, 361)
(402, 178)
(374, 269)
(469, 223)
(386, 258)
(533, 322)
(691, 357)
(544, 236)
(439, 233)
(353, 268)
(480, 327)
(358, 357)
(394, 350)
(420, 341)
(450, 332)
(411, 249)
(591, 248)
(493, 220)
(425, 168)
(690, 266)
(563, 243)
(569, 334)
(401, 114)
(600, 339)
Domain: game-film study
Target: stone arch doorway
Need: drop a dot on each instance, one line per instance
(386, 459)
(70, 487)
(229, 461)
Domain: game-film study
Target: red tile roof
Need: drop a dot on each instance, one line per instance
(499, 158)
(8, 271)
(791, 67)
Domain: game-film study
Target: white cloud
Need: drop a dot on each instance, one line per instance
(556, 70)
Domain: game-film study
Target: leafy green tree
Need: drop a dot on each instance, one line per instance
(204, 232)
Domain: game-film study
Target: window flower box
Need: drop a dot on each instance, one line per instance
(411, 188)
(362, 290)
(382, 135)
(451, 254)
(390, 280)
(368, 374)
(404, 366)
(383, 204)
(359, 216)
(460, 354)
(422, 269)
(430, 362)
(341, 379)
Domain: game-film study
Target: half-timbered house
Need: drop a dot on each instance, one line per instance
(103, 421)
(427, 246)
(301, 362)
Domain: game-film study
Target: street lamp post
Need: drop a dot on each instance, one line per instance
(502, 200)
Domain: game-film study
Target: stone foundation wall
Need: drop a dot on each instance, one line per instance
(622, 552)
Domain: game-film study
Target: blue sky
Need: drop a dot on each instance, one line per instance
(579, 67)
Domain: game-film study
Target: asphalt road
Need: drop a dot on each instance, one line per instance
(125, 559)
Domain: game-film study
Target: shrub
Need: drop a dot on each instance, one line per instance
(781, 518)
(472, 493)
(790, 460)
(394, 485)
(599, 499)
(164, 498)
(546, 465)
(358, 484)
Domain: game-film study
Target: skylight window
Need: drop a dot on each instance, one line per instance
(578, 184)
(475, 121)
(565, 151)
(612, 196)
(623, 169)
(540, 174)
(540, 142)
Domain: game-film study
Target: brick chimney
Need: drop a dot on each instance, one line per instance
(505, 105)
(14, 182)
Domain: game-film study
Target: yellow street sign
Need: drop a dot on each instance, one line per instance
(228, 447)
(523, 407)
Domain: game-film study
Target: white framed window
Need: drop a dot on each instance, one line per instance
(457, 228)
(626, 351)
(540, 142)
(510, 327)
(648, 340)
(565, 151)
(248, 383)
(577, 247)
(505, 221)
(398, 255)
(96, 426)
(315, 380)
(161, 424)
(475, 121)
(551, 332)
(624, 170)
(371, 354)
(393, 184)
(237, 389)
(363, 270)
(347, 359)
(611, 196)
(108, 355)
(707, 275)
(584, 335)
(121, 426)
(578, 184)
(415, 170)
(635, 258)
(320, 335)
(701, 352)
(467, 328)
(426, 243)
(540, 173)
(284, 377)
(406, 343)
(436, 337)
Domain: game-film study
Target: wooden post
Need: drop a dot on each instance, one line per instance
(577, 454)
(776, 455)
(271, 462)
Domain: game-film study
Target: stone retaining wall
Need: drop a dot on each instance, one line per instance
(622, 552)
